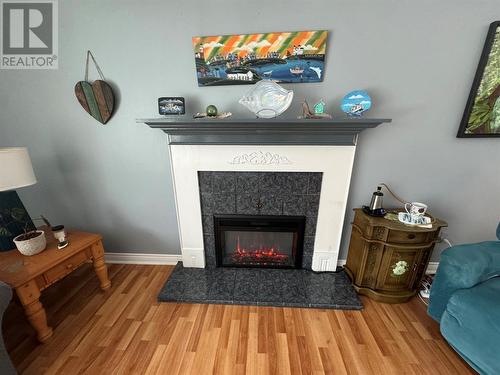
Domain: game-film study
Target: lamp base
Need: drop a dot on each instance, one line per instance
(14, 219)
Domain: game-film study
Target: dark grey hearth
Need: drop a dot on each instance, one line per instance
(259, 193)
(263, 132)
(262, 287)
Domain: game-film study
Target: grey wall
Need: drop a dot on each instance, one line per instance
(417, 59)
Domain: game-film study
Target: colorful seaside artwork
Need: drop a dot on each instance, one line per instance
(288, 57)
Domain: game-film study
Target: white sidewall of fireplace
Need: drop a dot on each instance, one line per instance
(334, 161)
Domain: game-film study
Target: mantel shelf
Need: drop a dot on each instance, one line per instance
(263, 131)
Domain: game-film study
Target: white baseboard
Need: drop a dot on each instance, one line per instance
(155, 259)
(140, 258)
(172, 259)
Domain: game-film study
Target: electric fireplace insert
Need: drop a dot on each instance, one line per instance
(259, 241)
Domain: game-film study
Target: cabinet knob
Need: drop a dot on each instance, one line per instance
(411, 236)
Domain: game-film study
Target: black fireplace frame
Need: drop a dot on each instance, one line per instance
(259, 223)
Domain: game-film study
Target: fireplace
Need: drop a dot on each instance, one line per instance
(259, 241)
(287, 146)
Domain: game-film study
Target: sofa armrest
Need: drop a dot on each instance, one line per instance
(6, 367)
(5, 297)
(462, 267)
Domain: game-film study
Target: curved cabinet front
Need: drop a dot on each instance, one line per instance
(387, 259)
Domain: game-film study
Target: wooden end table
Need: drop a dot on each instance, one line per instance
(29, 275)
(378, 245)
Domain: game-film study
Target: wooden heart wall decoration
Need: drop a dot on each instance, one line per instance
(96, 98)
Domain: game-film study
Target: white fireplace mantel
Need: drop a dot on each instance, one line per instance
(325, 146)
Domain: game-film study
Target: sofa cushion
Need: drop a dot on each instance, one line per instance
(471, 324)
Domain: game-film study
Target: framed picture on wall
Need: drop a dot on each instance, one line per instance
(482, 113)
(243, 59)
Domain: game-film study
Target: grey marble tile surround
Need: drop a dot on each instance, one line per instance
(261, 287)
(280, 193)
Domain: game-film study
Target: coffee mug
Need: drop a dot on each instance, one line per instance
(416, 209)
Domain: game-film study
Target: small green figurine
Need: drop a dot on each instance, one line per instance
(211, 111)
(318, 114)
(319, 107)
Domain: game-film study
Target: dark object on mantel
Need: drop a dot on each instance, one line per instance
(264, 132)
(171, 105)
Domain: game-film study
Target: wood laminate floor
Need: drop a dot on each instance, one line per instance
(125, 331)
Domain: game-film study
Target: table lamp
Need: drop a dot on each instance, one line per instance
(16, 172)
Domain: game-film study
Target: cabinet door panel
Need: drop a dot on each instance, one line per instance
(398, 269)
(374, 252)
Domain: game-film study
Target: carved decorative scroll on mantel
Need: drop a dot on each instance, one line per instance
(260, 158)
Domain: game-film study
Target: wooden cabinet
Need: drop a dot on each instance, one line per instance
(387, 259)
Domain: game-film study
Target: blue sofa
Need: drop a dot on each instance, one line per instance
(465, 300)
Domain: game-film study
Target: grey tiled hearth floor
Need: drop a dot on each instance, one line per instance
(261, 287)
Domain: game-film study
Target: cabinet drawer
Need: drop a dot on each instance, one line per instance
(396, 236)
(65, 267)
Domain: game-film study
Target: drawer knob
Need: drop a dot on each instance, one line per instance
(411, 236)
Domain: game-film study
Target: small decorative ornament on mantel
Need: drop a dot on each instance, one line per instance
(319, 111)
(212, 112)
(96, 98)
(356, 103)
(267, 99)
(319, 107)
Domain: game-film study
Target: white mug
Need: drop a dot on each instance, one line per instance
(416, 209)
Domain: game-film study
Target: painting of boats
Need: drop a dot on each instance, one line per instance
(287, 57)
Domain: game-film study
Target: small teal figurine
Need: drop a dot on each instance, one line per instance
(319, 107)
(356, 102)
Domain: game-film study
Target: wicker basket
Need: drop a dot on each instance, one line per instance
(32, 246)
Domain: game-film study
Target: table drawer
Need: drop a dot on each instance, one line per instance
(408, 237)
(65, 267)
